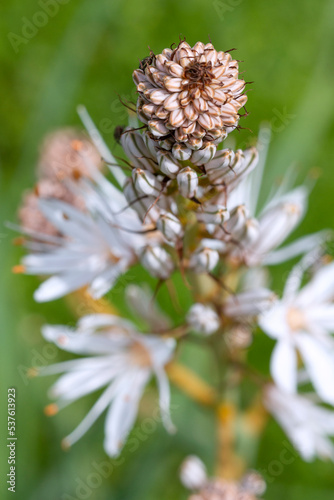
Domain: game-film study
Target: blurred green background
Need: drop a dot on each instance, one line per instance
(85, 53)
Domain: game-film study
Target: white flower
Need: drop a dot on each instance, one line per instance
(96, 245)
(140, 300)
(117, 358)
(301, 323)
(256, 235)
(249, 303)
(90, 252)
(307, 424)
(203, 319)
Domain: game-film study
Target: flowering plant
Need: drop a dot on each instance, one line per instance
(182, 204)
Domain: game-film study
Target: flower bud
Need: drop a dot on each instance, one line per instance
(204, 259)
(204, 155)
(253, 483)
(213, 214)
(150, 144)
(145, 182)
(136, 150)
(181, 152)
(139, 203)
(157, 128)
(203, 319)
(165, 144)
(168, 165)
(236, 224)
(188, 182)
(157, 262)
(170, 226)
(193, 473)
(238, 337)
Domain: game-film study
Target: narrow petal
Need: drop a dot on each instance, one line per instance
(319, 362)
(283, 366)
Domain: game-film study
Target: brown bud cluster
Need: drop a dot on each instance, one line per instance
(189, 97)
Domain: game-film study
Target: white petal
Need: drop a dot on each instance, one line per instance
(273, 322)
(319, 363)
(123, 412)
(322, 316)
(298, 247)
(283, 366)
(164, 398)
(100, 144)
(58, 286)
(320, 288)
(98, 408)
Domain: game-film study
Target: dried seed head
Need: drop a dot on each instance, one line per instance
(62, 155)
(190, 96)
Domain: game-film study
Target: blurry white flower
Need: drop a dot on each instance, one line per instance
(90, 251)
(257, 241)
(31, 216)
(203, 319)
(118, 358)
(60, 160)
(301, 323)
(140, 300)
(249, 303)
(92, 247)
(276, 222)
(308, 425)
(193, 473)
